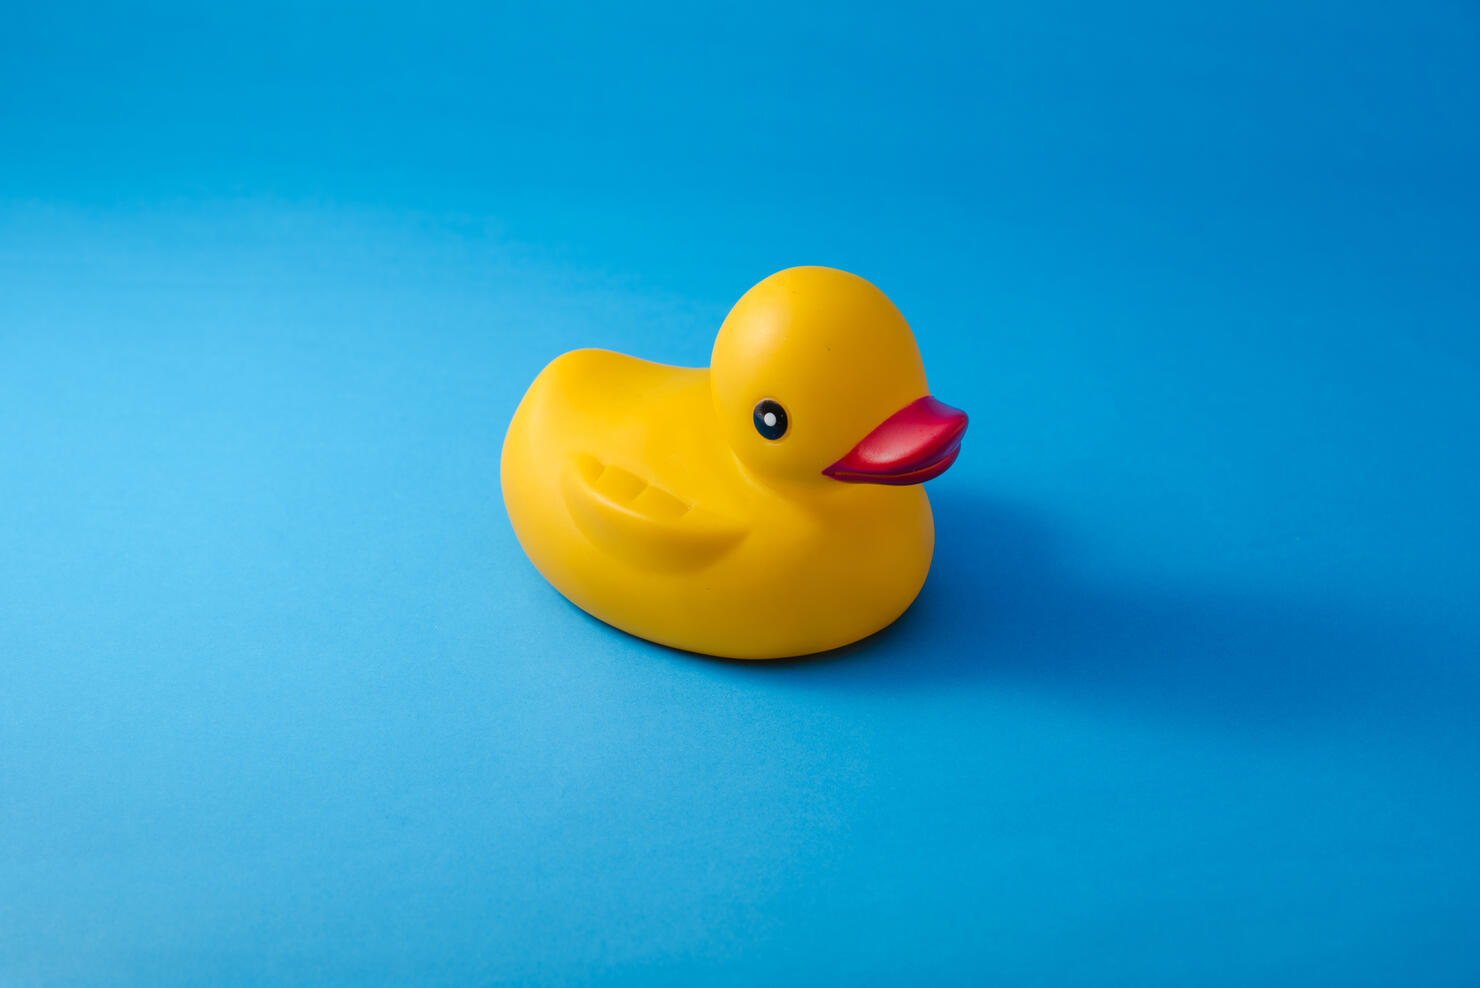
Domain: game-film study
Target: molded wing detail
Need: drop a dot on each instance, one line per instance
(645, 525)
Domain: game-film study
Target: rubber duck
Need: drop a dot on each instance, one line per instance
(766, 506)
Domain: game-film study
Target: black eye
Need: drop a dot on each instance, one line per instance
(770, 419)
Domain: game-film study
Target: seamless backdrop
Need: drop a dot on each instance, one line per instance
(1189, 698)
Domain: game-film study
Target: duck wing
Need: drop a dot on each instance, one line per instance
(634, 520)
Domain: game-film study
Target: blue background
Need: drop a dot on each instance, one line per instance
(1191, 694)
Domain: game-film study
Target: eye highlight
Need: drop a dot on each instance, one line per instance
(770, 419)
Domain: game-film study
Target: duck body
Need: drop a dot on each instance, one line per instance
(625, 488)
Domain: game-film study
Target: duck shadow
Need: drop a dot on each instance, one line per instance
(1001, 609)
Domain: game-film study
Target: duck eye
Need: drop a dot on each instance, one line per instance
(770, 419)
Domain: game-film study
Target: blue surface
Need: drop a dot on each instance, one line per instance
(1190, 696)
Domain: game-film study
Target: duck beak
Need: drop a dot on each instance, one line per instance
(916, 443)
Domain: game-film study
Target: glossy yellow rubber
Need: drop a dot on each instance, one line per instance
(645, 494)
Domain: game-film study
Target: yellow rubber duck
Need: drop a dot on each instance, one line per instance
(766, 506)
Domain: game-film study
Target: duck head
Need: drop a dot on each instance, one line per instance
(816, 378)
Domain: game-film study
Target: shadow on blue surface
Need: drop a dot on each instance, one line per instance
(1002, 609)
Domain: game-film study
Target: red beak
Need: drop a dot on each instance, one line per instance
(916, 443)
